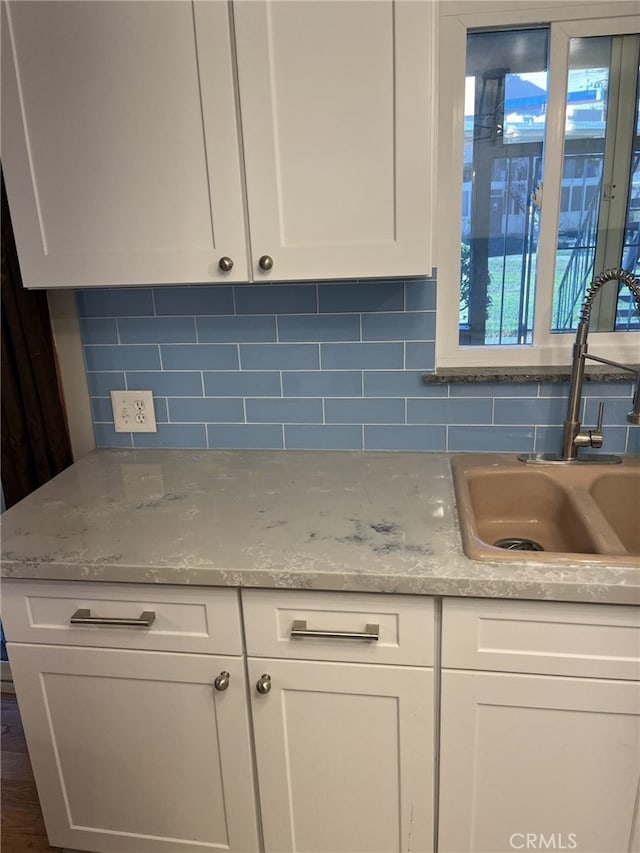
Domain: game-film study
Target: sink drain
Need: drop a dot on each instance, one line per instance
(516, 544)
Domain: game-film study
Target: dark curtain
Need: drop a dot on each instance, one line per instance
(35, 439)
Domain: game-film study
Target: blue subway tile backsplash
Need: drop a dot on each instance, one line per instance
(496, 439)
(366, 411)
(193, 301)
(356, 297)
(167, 383)
(322, 383)
(449, 411)
(137, 357)
(279, 356)
(102, 384)
(319, 327)
(157, 330)
(234, 329)
(310, 366)
(283, 299)
(245, 436)
(116, 302)
(106, 436)
(359, 356)
(420, 355)
(174, 436)
(98, 330)
(543, 410)
(267, 410)
(401, 326)
(202, 410)
(323, 437)
(633, 441)
(200, 357)
(245, 383)
(399, 383)
(616, 411)
(405, 438)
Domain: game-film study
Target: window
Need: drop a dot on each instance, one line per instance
(512, 273)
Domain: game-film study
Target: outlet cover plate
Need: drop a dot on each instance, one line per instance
(133, 411)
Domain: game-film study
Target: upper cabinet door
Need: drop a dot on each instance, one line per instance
(336, 102)
(112, 169)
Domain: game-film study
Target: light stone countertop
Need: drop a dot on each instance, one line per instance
(349, 521)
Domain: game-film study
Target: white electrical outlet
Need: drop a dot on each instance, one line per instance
(133, 411)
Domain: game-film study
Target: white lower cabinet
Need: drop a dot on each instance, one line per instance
(138, 752)
(532, 761)
(146, 737)
(136, 710)
(344, 756)
(529, 762)
(344, 733)
(138, 742)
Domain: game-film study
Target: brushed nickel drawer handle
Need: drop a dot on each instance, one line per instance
(84, 617)
(299, 629)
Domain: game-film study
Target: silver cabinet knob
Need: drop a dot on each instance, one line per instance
(265, 262)
(222, 681)
(225, 264)
(264, 684)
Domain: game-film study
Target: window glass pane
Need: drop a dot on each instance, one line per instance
(587, 90)
(600, 198)
(505, 110)
(626, 317)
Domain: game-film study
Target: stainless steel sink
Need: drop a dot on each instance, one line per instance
(553, 513)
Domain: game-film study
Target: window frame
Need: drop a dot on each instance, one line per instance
(456, 19)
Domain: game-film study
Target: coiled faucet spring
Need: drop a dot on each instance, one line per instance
(616, 274)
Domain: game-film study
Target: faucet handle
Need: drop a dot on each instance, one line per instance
(591, 437)
(595, 435)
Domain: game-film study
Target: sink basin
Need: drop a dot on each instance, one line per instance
(618, 499)
(574, 513)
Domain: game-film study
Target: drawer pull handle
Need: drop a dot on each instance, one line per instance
(299, 629)
(84, 617)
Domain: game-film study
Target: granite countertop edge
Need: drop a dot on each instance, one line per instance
(158, 494)
(510, 586)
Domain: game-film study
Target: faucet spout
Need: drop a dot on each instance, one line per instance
(572, 436)
(615, 274)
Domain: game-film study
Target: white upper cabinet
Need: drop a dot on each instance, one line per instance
(336, 102)
(123, 127)
(119, 170)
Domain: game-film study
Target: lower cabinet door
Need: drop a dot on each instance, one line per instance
(138, 752)
(538, 763)
(344, 756)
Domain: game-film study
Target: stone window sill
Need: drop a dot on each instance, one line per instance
(501, 375)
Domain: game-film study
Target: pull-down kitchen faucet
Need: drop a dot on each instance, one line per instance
(572, 437)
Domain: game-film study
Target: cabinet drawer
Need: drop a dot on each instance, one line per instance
(404, 626)
(184, 618)
(553, 638)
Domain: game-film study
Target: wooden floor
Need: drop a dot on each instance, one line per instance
(22, 826)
